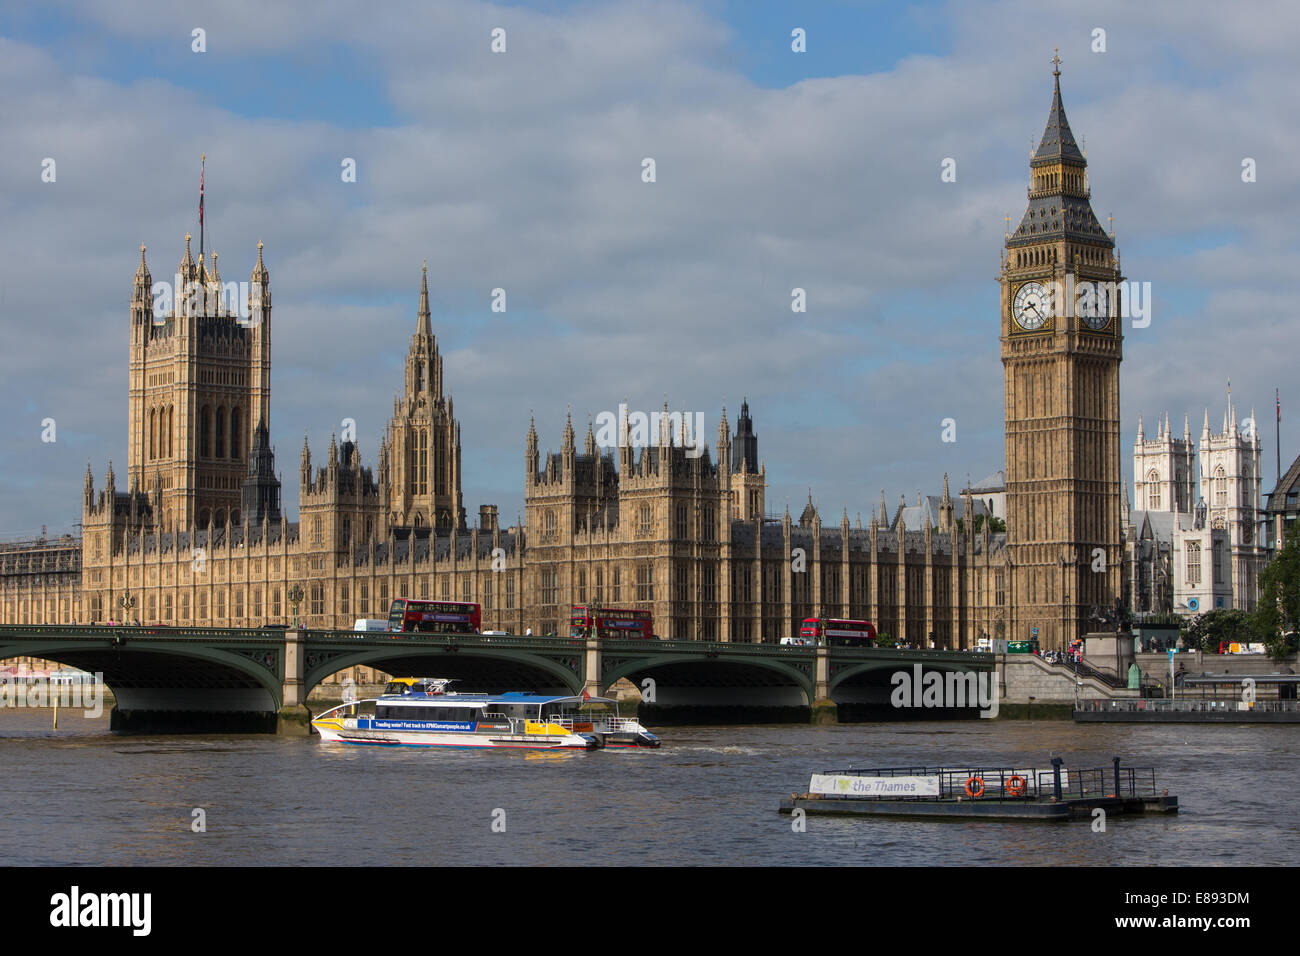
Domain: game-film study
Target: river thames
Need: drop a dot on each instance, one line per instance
(83, 796)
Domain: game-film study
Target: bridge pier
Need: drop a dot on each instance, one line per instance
(591, 668)
(823, 709)
(293, 719)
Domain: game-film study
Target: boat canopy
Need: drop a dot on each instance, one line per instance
(518, 697)
(513, 697)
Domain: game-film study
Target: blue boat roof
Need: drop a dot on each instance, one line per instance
(511, 697)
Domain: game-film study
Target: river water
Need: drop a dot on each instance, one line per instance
(709, 796)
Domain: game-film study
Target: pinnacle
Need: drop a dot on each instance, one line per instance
(1058, 140)
(424, 326)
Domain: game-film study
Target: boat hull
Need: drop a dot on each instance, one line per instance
(331, 733)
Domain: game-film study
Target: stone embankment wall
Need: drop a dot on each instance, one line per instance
(1028, 676)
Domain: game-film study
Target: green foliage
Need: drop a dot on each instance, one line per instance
(995, 524)
(1207, 631)
(884, 640)
(1278, 614)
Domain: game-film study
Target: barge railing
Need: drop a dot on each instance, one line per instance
(959, 783)
(1168, 705)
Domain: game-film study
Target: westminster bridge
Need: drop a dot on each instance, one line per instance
(188, 679)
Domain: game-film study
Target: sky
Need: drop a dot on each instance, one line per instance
(522, 170)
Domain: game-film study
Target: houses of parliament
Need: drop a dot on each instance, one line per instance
(194, 532)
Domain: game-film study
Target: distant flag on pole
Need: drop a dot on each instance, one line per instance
(202, 164)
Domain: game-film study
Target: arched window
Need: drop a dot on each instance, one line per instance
(236, 449)
(1220, 487)
(1153, 490)
(205, 432)
(422, 464)
(219, 448)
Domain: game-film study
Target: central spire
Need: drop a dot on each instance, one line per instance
(1058, 142)
(425, 328)
(1059, 206)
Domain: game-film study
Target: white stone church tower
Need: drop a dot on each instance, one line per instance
(1230, 488)
(1192, 541)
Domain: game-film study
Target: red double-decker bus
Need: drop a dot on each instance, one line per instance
(610, 622)
(841, 632)
(436, 617)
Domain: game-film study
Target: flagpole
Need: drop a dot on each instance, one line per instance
(203, 157)
(1277, 432)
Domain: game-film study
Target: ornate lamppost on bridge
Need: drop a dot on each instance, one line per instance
(128, 602)
(295, 597)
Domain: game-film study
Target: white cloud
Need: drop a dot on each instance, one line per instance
(522, 171)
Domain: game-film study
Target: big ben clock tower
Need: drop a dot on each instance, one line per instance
(1061, 349)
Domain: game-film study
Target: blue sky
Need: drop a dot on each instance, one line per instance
(776, 170)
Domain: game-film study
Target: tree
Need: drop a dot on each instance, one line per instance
(884, 640)
(996, 524)
(1278, 615)
(1207, 631)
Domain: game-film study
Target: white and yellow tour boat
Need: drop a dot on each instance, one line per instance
(423, 712)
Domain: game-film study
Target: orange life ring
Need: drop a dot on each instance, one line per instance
(974, 787)
(1016, 786)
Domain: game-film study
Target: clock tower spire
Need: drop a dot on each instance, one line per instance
(1061, 351)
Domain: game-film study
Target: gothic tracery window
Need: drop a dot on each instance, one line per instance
(205, 432)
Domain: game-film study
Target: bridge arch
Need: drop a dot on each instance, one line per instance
(173, 678)
(845, 673)
(476, 668)
(864, 690)
(696, 680)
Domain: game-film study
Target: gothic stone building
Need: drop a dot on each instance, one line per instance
(198, 535)
(1196, 545)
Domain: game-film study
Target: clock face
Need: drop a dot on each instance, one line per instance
(1032, 306)
(1094, 307)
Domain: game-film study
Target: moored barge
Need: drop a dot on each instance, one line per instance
(983, 793)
